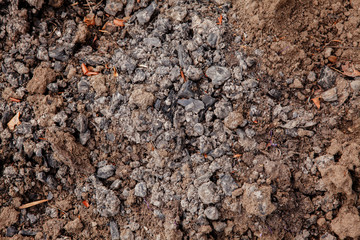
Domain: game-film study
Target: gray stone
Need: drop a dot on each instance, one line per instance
(11, 231)
(193, 73)
(140, 189)
(212, 39)
(218, 75)
(145, 15)
(107, 203)
(330, 95)
(178, 13)
(74, 226)
(129, 7)
(249, 84)
(207, 193)
(113, 7)
(355, 85)
(21, 68)
(184, 59)
(311, 76)
(199, 129)
(106, 171)
(84, 137)
(275, 93)
(195, 106)
(83, 86)
(327, 78)
(185, 90)
(42, 54)
(152, 42)
(208, 100)
(53, 87)
(81, 123)
(212, 213)
(58, 53)
(228, 184)
(327, 236)
(127, 235)
(10, 172)
(32, 218)
(114, 231)
(222, 109)
(141, 98)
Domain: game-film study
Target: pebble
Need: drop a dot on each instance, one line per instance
(140, 189)
(296, 84)
(21, 68)
(208, 100)
(144, 16)
(327, 78)
(58, 53)
(218, 75)
(113, 7)
(141, 98)
(83, 86)
(127, 234)
(355, 86)
(193, 73)
(330, 95)
(114, 231)
(185, 90)
(222, 109)
(106, 171)
(81, 123)
(11, 231)
(152, 42)
(212, 213)
(208, 194)
(311, 76)
(228, 184)
(192, 105)
(178, 13)
(74, 226)
(219, 226)
(107, 203)
(233, 120)
(257, 200)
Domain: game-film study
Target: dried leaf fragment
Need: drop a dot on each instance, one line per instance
(14, 122)
(350, 71)
(33, 204)
(86, 203)
(119, 22)
(316, 102)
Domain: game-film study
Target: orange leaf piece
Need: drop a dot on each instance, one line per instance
(14, 122)
(316, 102)
(182, 75)
(115, 72)
(219, 20)
(86, 71)
(89, 20)
(86, 203)
(350, 71)
(119, 22)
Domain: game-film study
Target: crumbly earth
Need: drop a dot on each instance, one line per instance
(207, 119)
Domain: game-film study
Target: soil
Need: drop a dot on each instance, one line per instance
(192, 119)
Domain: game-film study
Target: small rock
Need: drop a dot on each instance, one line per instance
(222, 109)
(81, 123)
(21, 68)
(275, 93)
(36, 3)
(113, 7)
(208, 194)
(129, 7)
(193, 73)
(233, 120)
(327, 78)
(107, 203)
(106, 171)
(53, 87)
(192, 105)
(42, 54)
(257, 200)
(355, 86)
(145, 15)
(140, 189)
(219, 226)
(74, 226)
(152, 42)
(327, 236)
(41, 78)
(330, 95)
(228, 184)
(305, 133)
(84, 137)
(98, 82)
(311, 76)
(296, 84)
(83, 86)
(58, 53)
(11, 231)
(141, 98)
(212, 39)
(114, 231)
(199, 129)
(212, 213)
(208, 100)
(218, 75)
(185, 90)
(127, 235)
(178, 13)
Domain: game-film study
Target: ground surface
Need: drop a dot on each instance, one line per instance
(206, 120)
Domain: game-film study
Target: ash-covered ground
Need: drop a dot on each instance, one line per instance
(141, 119)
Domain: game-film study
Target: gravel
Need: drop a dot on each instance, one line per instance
(218, 75)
